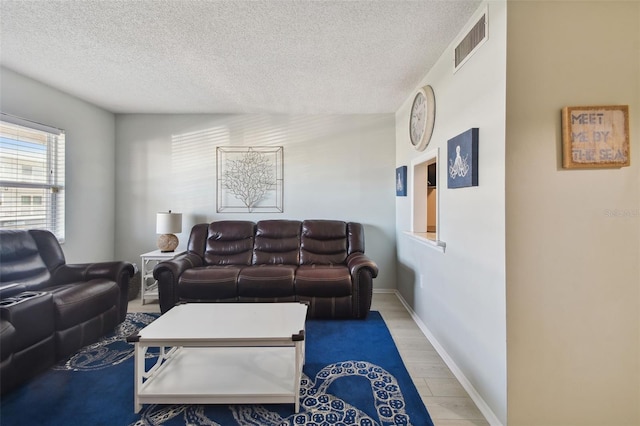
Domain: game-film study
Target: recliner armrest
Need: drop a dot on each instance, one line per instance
(362, 270)
(357, 261)
(167, 274)
(11, 289)
(178, 264)
(119, 272)
(68, 273)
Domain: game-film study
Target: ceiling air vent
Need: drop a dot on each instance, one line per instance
(471, 42)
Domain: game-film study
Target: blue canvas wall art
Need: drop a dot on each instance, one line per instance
(462, 157)
(401, 181)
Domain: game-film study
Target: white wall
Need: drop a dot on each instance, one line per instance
(459, 295)
(90, 147)
(573, 236)
(335, 167)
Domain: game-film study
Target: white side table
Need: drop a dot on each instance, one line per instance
(148, 285)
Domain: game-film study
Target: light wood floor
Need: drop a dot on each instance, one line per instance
(445, 399)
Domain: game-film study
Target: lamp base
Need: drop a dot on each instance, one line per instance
(167, 243)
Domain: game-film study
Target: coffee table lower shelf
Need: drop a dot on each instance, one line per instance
(222, 375)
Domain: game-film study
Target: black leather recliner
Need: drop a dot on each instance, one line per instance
(49, 309)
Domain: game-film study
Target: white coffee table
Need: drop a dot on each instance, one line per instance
(222, 353)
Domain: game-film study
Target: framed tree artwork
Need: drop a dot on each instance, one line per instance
(249, 179)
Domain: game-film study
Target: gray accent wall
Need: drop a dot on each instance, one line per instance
(122, 169)
(90, 161)
(335, 167)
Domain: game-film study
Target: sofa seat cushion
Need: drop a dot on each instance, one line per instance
(323, 281)
(209, 283)
(81, 301)
(268, 281)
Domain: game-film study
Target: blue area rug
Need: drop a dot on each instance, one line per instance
(353, 375)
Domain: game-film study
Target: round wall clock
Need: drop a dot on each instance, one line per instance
(423, 114)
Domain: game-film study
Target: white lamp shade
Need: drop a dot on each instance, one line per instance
(168, 223)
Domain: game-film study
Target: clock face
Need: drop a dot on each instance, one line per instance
(422, 118)
(418, 119)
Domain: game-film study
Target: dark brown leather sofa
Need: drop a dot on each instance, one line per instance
(48, 309)
(321, 262)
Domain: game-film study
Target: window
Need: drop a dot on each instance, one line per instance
(31, 176)
(425, 199)
(432, 198)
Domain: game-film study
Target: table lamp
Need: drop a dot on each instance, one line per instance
(168, 224)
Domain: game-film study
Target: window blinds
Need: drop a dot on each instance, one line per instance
(31, 176)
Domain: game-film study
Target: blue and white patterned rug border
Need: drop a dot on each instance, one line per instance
(317, 405)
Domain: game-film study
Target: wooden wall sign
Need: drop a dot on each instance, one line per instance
(595, 136)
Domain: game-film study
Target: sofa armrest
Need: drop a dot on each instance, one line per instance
(117, 271)
(9, 290)
(167, 274)
(357, 261)
(363, 270)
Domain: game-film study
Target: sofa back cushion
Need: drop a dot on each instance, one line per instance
(277, 242)
(229, 242)
(20, 261)
(355, 238)
(323, 242)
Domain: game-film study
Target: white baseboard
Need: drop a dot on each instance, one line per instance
(385, 290)
(475, 396)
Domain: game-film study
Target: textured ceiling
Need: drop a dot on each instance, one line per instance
(189, 56)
